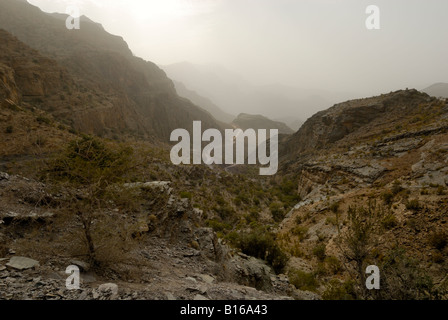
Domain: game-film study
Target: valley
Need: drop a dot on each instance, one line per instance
(87, 179)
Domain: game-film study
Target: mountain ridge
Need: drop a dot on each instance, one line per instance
(104, 63)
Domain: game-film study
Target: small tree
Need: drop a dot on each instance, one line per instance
(358, 241)
(87, 169)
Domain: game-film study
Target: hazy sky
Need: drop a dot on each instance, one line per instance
(308, 43)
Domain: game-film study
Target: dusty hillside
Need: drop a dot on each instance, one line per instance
(140, 98)
(387, 157)
(160, 231)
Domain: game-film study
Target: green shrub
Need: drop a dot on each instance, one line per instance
(277, 211)
(90, 167)
(186, 195)
(218, 226)
(300, 232)
(303, 280)
(9, 129)
(42, 119)
(261, 244)
(389, 222)
(319, 251)
(333, 264)
(226, 212)
(334, 207)
(336, 290)
(413, 205)
(387, 197)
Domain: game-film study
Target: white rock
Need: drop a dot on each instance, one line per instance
(4, 176)
(22, 263)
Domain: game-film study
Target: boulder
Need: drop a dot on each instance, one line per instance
(251, 272)
(22, 263)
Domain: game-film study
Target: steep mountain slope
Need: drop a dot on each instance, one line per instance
(203, 102)
(100, 62)
(248, 121)
(437, 90)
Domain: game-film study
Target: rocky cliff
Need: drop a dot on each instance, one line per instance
(102, 87)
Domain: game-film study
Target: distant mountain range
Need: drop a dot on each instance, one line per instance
(232, 94)
(437, 90)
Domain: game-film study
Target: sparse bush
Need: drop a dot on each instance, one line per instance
(403, 279)
(333, 264)
(9, 129)
(387, 197)
(277, 211)
(337, 290)
(413, 205)
(358, 242)
(319, 251)
(42, 119)
(261, 244)
(334, 207)
(186, 195)
(389, 222)
(300, 232)
(331, 220)
(438, 240)
(226, 212)
(218, 226)
(303, 280)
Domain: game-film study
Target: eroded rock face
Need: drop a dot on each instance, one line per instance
(91, 79)
(329, 126)
(9, 94)
(251, 272)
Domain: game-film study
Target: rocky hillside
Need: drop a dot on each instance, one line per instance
(380, 163)
(346, 121)
(161, 231)
(104, 89)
